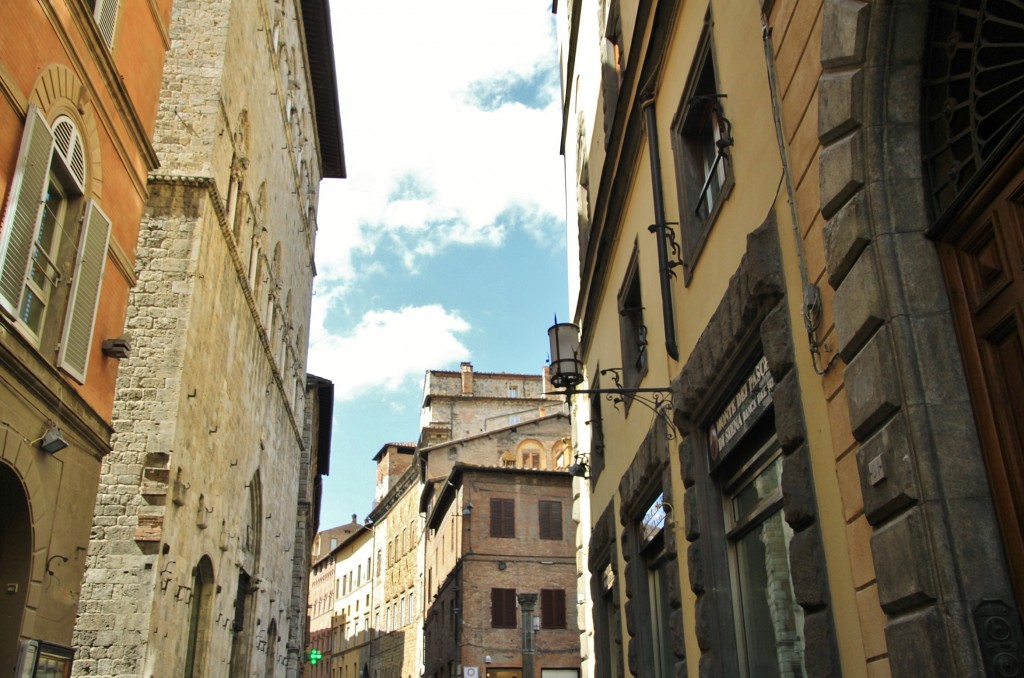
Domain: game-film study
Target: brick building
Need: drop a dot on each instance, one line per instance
(498, 421)
(496, 440)
(500, 573)
(199, 552)
(78, 102)
(801, 221)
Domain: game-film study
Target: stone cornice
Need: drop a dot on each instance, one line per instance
(33, 374)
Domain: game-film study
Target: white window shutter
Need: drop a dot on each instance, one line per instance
(85, 293)
(21, 220)
(106, 18)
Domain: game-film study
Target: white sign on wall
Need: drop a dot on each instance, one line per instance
(470, 672)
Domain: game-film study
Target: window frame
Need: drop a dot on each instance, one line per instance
(503, 609)
(762, 453)
(550, 526)
(54, 154)
(105, 13)
(632, 328)
(503, 518)
(701, 103)
(654, 580)
(553, 609)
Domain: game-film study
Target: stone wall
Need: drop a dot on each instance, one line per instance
(927, 509)
(208, 440)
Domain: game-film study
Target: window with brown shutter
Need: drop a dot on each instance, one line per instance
(503, 608)
(550, 519)
(503, 518)
(552, 608)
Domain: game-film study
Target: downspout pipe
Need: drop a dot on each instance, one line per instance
(659, 227)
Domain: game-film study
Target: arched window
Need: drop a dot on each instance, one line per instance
(531, 454)
(49, 230)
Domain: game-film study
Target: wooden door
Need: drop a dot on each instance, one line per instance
(984, 268)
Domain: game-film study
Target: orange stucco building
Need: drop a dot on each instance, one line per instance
(79, 86)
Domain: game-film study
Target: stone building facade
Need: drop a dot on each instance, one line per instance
(465, 403)
(330, 548)
(78, 101)
(191, 564)
(396, 641)
(352, 624)
(828, 295)
(314, 464)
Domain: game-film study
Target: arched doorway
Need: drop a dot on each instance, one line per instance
(271, 653)
(199, 619)
(15, 563)
(973, 143)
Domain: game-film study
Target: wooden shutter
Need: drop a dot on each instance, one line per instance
(21, 222)
(552, 608)
(85, 292)
(503, 608)
(550, 519)
(106, 19)
(503, 518)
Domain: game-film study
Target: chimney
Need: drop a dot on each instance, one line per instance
(467, 378)
(548, 388)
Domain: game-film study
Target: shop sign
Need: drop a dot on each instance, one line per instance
(653, 521)
(751, 400)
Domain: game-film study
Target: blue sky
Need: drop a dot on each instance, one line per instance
(447, 240)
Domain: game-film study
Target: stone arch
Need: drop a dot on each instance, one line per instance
(242, 134)
(271, 652)
(530, 453)
(200, 618)
(16, 532)
(561, 454)
(21, 463)
(59, 91)
(891, 301)
(254, 532)
(276, 265)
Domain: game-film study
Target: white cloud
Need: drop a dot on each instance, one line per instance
(386, 349)
(404, 68)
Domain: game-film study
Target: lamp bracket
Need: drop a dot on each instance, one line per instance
(657, 399)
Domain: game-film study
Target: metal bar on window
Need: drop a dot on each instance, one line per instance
(712, 175)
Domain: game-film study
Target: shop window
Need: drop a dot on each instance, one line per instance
(632, 331)
(606, 622)
(769, 621)
(550, 513)
(701, 139)
(655, 558)
(503, 518)
(503, 608)
(552, 608)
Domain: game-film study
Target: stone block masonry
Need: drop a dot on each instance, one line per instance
(192, 553)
